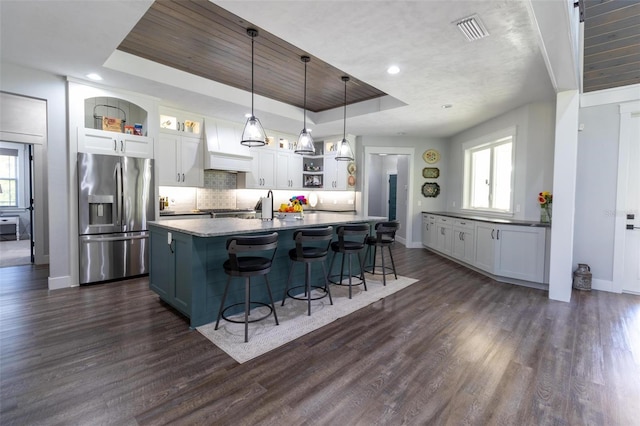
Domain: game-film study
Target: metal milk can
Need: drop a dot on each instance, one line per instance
(582, 277)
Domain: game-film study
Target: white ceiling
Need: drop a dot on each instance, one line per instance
(481, 79)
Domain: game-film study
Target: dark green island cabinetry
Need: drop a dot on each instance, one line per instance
(186, 260)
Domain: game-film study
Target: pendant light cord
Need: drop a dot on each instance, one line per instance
(344, 130)
(252, 95)
(304, 120)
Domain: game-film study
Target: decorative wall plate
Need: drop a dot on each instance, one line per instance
(431, 156)
(351, 168)
(431, 172)
(351, 180)
(430, 189)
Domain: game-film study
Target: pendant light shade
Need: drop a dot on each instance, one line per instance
(253, 133)
(344, 151)
(304, 145)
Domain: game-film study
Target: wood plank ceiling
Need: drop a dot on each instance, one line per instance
(611, 44)
(201, 38)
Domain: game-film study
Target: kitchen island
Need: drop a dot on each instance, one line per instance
(186, 258)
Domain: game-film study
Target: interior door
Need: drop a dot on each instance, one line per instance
(32, 242)
(631, 274)
(393, 192)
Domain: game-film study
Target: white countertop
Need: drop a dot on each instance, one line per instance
(214, 227)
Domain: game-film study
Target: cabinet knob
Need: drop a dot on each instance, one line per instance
(178, 177)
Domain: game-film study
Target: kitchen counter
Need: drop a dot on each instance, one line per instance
(489, 219)
(186, 257)
(208, 227)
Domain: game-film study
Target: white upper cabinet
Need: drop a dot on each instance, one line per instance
(113, 143)
(180, 122)
(114, 126)
(180, 160)
(288, 170)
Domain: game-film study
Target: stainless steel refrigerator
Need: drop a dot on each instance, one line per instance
(115, 201)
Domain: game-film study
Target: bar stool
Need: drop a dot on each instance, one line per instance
(385, 237)
(351, 240)
(247, 266)
(310, 248)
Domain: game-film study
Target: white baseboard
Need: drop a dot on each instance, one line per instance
(56, 283)
(603, 285)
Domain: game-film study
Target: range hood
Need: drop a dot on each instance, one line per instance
(224, 151)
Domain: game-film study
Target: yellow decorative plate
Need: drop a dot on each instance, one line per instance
(431, 156)
(351, 168)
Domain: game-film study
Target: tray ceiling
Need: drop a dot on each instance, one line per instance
(201, 38)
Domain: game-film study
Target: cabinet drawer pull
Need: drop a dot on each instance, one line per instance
(492, 231)
(121, 146)
(178, 177)
(115, 145)
(183, 177)
(498, 235)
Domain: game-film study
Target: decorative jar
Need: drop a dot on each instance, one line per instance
(582, 277)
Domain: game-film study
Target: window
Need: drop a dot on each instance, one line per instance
(488, 174)
(8, 177)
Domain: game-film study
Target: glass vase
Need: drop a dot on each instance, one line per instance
(545, 214)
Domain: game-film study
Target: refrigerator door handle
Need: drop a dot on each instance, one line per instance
(102, 238)
(119, 194)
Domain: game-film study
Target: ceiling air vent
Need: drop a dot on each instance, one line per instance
(472, 28)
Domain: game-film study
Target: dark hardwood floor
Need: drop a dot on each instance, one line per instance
(454, 348)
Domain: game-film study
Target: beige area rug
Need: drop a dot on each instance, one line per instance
(265, 335)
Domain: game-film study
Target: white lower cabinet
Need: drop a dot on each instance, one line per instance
(511, 251)
(463, 240)
(444, 234)
(180, 161)
(520, 252)
(429, 230)
(485, 252)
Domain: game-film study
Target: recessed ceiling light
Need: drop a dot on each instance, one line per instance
(447, 106)
(393, 69)
(94, 76)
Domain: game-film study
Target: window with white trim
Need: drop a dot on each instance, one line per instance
(488, 180)
(9, 177)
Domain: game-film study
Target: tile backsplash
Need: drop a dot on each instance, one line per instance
(219, 192)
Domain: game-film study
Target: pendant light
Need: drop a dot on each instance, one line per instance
(253, 133)
(344, 152)
(305, 141)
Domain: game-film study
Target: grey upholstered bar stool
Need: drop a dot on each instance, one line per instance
(385, 237)
(312, 246)
(247, 266)
(351, 240)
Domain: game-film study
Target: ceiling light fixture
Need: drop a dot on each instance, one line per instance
(393, 69)
(93, 76)
(344, 152)
(253, 134)
(305, 141)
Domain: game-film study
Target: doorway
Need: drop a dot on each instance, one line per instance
(16, 204)
(379, 163)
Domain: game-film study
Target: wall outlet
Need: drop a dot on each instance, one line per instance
(517, 208)
(335, 201)
(349, 201)
(169, 238)
(419, 203)
(172, 202)
(454, 204)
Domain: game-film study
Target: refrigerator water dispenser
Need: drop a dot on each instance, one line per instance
(101, 210)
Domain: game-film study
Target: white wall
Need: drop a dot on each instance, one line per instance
(37, 84)
(533, 157)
